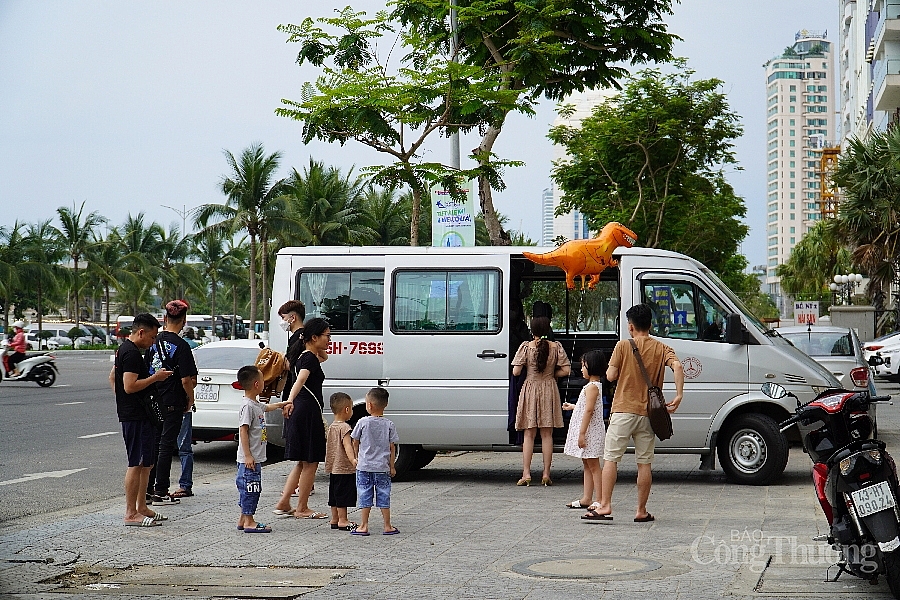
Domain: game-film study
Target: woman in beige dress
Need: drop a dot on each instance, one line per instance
(539, 403)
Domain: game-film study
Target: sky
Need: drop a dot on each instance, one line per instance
(128, 106)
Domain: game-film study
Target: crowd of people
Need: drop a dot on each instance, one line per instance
(360, 460)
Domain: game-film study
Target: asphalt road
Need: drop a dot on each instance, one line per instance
(62, 447)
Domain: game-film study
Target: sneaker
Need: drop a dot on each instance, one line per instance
(167, 499)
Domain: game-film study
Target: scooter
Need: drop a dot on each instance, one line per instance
(39, 368)
(855, 481)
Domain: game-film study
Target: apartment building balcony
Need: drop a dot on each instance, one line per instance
(886, 84)
(888, 27)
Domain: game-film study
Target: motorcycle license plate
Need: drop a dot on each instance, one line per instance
(208, 392)
(873, 499)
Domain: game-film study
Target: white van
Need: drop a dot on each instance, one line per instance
(437, 327)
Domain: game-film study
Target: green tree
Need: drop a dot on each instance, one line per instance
(393, 111)
(40, 267)
(327, 206)
(140, 247)
(74, 234)
(868, 220)
(386, 216)
(216, 262)
(255, 205)
(541, 47)
(652, 159)
(177, 274)
(11, 256)
(814, 261)
(112, 267)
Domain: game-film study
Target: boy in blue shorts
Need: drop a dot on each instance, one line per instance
(251, 447)
(374, 439)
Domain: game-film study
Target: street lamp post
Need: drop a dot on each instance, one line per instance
(183, 213)
(845, 284)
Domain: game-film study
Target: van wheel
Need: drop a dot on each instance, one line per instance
(405, 459)
(423, 458)
(752, 450)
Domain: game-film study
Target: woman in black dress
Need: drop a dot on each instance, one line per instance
(304, 425)
(292, 314)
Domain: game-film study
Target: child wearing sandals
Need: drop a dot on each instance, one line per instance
(587, 434)
(251, 448)
(374, 442)
(340, 462)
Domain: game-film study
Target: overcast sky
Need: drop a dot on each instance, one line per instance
(128, 106)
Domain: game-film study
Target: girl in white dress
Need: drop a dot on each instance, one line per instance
(587, 433)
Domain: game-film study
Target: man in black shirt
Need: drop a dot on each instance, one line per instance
(129, 380)
(175, 395)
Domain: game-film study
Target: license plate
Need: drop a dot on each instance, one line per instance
(206, 392)
(873, 499)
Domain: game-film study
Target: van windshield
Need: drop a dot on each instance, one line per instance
(737, 301)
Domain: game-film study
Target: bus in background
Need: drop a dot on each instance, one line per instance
(224, 325)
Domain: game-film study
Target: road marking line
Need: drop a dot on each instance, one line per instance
(33, 476)
(68, 403)
(63, 385)
(93, 435)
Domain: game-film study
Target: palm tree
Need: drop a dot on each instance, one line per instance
(11, 256)
(869, 216)
(176, 274)
(75, 233)
(112, 267)
(140, 245)
(385, 216)
(254, 206)
(217, 261)
(818, 257)
(328, 205)
(40, 267)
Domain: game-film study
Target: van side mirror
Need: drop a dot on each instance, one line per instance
(734, 329)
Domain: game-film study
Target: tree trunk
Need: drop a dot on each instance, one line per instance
(253, 282)
(234, 312)
(414, 216)
(264, 262)
(77, 307)
(212, 302)
(108, 334)
(499, 237)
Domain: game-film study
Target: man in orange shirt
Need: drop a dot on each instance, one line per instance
(629, 418)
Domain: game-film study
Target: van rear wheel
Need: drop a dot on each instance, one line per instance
(405, 459)
(752, 450)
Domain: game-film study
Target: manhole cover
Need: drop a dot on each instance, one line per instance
(586, 567)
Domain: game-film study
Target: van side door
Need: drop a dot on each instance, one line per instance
(446, 346)
(690, 318)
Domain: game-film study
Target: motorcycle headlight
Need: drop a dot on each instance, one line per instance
(846, 465)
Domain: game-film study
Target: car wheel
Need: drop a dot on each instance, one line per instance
(752, 449)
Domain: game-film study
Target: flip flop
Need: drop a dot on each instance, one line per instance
(577, 504)
(260, 528)
(315, 515)
(283, 513)
(240, 527)
(593, 515)
(147, 522)
(646, 519)
(182, 494)
(357, 532)
(348, 527)
(393, 531)
(159, 517)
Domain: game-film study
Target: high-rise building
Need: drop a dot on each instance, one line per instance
(800, 124)
(572, 225)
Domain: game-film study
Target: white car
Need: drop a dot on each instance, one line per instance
(870, 348)
(889, 354)
(217, 398)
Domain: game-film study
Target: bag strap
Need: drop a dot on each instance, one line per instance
(320, 403)
(634, 350)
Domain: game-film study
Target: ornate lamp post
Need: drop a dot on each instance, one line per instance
(845, 284)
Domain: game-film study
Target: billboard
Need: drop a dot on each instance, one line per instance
(453, 220)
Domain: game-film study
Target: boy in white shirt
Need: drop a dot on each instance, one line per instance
(251, 447)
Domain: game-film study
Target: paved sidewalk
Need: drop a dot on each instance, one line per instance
(466, 532)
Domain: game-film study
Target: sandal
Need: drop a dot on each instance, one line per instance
(182, 494)
(524, 482)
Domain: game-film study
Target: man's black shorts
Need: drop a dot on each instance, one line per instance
(342, 490)
(140, 443)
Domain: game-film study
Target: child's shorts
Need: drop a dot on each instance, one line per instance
(249, 485)
(342, 490)
(377, 485)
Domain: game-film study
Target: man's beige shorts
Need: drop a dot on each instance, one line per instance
(623, 427)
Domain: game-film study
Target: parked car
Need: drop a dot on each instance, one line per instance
(837, 349)
(60, 335)
(218, 400)
(889, 365)
(870, 348)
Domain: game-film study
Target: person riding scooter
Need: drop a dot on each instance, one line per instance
(19, 345)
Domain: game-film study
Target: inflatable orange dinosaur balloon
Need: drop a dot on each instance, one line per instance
(587, 258)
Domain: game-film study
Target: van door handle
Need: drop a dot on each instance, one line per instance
(485, 354)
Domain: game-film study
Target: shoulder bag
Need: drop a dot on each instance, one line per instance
(660, 419)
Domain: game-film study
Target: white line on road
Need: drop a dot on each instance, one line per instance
(33, 476)
(68, 403)
(93, 435)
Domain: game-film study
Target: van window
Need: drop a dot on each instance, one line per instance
(680, 310)
(447, 301)
(348, 300)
